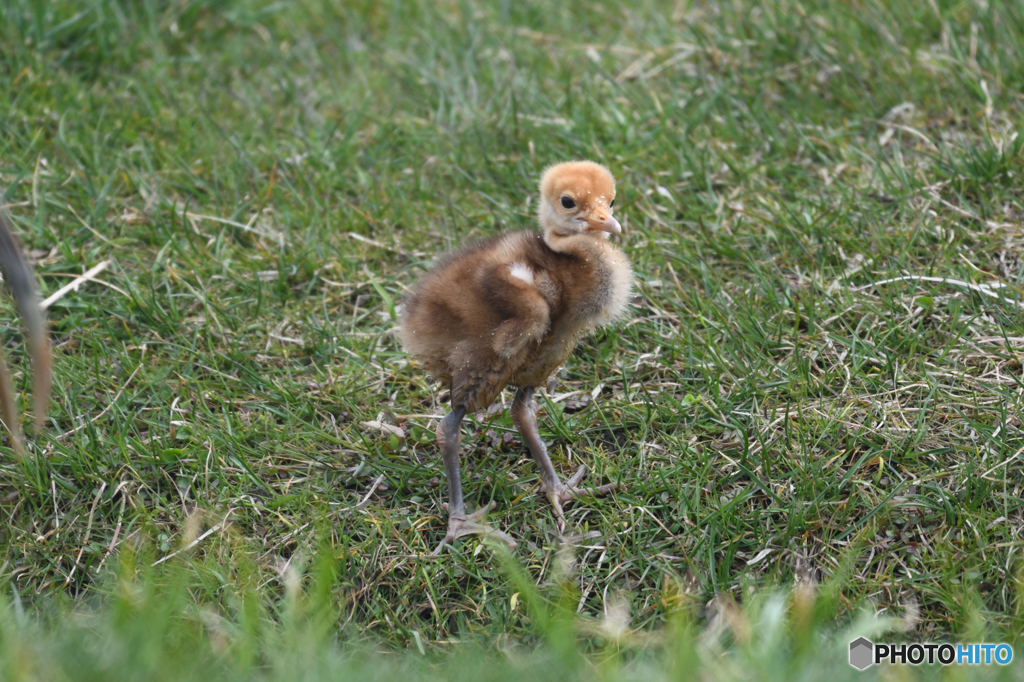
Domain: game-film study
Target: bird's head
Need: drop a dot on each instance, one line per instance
(576, 198)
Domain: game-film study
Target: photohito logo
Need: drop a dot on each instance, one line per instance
(864, 653)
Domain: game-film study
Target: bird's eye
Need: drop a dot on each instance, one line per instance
(611, 203)
(568, 203)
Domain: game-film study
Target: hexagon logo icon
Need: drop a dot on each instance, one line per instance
(862, 653)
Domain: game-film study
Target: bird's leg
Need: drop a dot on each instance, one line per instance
(460, 523)
(19, 277)
(558, 493)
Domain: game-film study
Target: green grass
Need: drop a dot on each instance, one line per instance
(151, 629)
(267, 179)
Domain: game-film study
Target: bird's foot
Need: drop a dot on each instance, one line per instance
(563, 493)
(472, 524)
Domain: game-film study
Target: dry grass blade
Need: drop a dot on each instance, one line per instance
(983, 289)
(106, 409)
(88, 276)
(216, 528)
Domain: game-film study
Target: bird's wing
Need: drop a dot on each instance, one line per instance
(514, 318)
(523, 314)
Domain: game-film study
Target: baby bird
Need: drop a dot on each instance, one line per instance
(509, 310)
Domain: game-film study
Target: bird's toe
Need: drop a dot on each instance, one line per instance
(559, 493)
(577, 477)
(472, 524)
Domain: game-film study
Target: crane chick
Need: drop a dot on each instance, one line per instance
(509, 310)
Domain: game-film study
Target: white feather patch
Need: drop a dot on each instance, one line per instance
(521, 271)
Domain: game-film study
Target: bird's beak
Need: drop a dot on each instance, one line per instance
(604, 222)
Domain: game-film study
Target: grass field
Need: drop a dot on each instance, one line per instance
(819, 383)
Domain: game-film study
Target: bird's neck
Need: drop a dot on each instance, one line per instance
(597, 287)
(582, 245)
